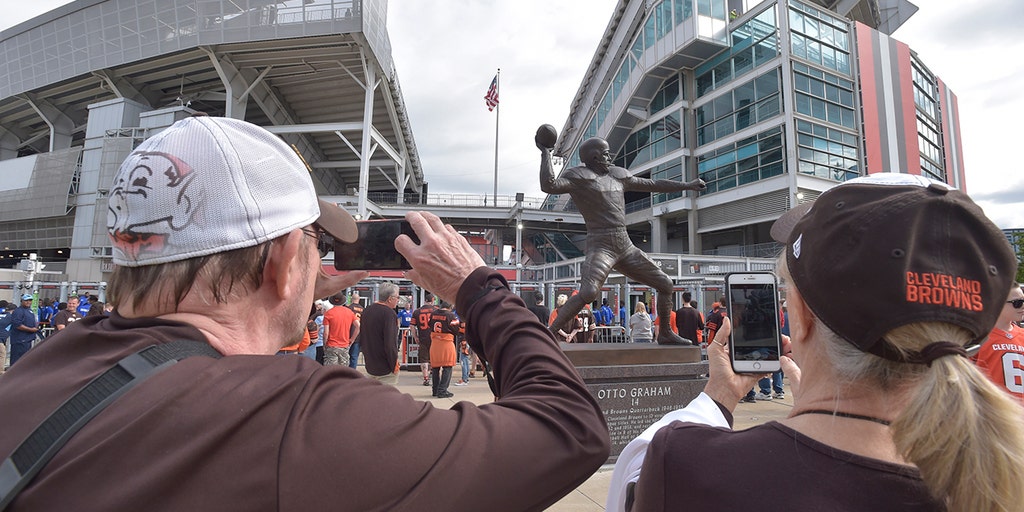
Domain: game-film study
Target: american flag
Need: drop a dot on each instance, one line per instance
(492, 94)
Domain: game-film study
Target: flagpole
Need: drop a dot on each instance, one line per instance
(497, 114)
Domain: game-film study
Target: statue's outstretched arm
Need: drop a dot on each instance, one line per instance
(649, 185)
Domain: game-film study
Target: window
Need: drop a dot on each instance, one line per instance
(748, 104)
(824, 96)
(819, 38)
(651, 141)
(668, 94)
(746, 161)
(754, 43)
(826, 152)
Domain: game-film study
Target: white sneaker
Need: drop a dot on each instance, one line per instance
(762, 396)
(461, 383)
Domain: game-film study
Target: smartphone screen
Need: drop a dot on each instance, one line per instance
(754, 309)
(375, 247)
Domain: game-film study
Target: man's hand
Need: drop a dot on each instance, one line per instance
(327, 285)
(697, 184)
(442, 260)
(724, 385)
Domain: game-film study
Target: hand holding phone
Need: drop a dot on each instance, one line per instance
(755, 340)
(724, 385)
(442, 259)
(375, 247)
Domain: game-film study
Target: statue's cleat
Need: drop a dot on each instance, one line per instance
(671, 338)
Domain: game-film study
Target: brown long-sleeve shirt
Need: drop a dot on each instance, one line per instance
(284, 433)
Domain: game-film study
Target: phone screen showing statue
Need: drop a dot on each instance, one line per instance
(375, 248)
(755, 321)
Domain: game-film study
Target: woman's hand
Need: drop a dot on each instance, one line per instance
(724, 385)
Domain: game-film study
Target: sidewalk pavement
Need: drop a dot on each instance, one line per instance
(590, 495)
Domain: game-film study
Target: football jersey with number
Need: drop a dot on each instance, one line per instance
(1001, 357)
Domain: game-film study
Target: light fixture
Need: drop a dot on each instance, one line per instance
(519, 226)
(799, 195)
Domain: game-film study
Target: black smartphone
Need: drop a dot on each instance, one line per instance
(375, 247)
(754, 309)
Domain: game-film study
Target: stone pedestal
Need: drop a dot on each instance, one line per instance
(637, 384)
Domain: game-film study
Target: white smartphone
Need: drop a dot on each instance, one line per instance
(754, 309)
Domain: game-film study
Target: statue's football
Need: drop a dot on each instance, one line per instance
(546, 136)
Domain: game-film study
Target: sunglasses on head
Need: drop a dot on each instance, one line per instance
(1017, 303)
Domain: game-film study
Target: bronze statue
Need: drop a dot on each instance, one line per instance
(598, 189)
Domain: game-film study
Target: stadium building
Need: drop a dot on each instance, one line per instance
(82, 85)
(769, 102)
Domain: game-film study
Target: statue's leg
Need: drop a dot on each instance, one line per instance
(640, 268)
(596, 266)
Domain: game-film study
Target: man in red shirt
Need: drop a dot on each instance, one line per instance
(340, 327)
(1002, 355)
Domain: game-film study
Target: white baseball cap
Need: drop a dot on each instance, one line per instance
(207, 185)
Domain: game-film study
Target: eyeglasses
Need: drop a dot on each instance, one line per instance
(1017, 303)
(324, 241)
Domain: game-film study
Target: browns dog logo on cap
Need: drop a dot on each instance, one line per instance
(155, 177)
(944, 290)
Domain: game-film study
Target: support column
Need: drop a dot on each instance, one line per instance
(659, 235)
(370, 73)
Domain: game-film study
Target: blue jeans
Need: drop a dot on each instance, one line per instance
(353, 355)
(310, 352)
(464, 360)
(773, 383)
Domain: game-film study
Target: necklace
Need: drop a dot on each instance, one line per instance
(845, 415)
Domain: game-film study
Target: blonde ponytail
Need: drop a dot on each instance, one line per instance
(964, 434)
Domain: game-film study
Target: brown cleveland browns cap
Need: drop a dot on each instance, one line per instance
(886, 250)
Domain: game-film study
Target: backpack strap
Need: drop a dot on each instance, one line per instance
(17, 470)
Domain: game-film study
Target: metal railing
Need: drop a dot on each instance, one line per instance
(638, 205)
(461, 200)
(765, 250)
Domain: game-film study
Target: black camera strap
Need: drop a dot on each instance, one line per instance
(17, 470)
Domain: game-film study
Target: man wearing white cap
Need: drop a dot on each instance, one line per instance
(211, 219)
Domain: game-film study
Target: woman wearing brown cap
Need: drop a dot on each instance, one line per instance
(889, 278)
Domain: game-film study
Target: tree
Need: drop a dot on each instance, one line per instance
(1018, 247)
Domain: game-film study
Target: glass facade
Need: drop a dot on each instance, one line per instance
(651, 141)
(824, 96)
(664, 17)
(819, 37)
(749, 103)
(929, 132)
(746, 161)
(826, 152)
(667, 171)
(669, 93)
(754, 43)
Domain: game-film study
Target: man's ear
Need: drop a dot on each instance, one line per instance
(282, 272)
(801, 318)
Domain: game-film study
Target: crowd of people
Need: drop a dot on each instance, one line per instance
(203, 405)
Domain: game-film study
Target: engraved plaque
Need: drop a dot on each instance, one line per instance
(649, 382)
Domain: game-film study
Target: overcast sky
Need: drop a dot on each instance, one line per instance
(447, 51)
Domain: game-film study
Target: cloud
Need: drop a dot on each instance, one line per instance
(543, 49)
(447, 51)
